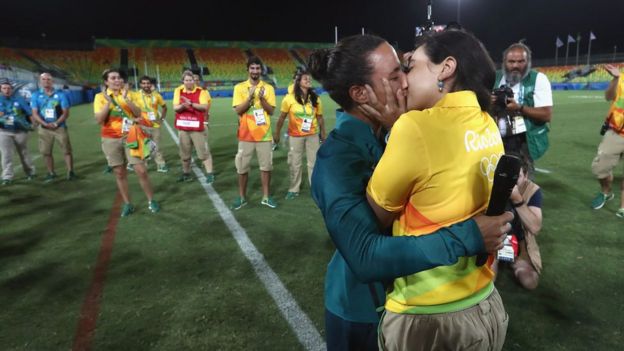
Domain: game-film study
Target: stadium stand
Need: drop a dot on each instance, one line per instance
(281, 63)
(226, 65)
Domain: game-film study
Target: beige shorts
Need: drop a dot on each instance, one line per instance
(47, 137)
(246, 149)
(117, 153)
(481, 327)
(188, 140)
(610, 152)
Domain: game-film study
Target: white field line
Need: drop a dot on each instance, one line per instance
(299, 322)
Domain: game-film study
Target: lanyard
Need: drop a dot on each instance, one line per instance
(305, 103)
(150, 107)
(47, 99)
(123, 113)
(521, 93)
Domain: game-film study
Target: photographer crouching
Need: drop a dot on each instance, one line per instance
(522, 104)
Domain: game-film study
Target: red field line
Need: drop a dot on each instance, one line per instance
(83, 339)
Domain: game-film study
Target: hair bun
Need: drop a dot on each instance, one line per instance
(317, 63)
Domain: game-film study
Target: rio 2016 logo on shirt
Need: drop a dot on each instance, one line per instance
(476, 142)
(488, 166)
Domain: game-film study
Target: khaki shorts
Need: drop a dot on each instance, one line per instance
(47, 137)
(188, 140)
(480, 327)
(610, 152)
(263, 150)
(117, 153)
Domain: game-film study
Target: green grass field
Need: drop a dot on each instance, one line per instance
(178, 280)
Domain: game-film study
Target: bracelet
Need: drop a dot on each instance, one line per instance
(518, 204)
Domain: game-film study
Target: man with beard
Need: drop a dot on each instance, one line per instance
(149, 101)
(526, 129)
(254, 103)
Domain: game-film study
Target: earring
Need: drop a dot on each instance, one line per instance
(440, 85)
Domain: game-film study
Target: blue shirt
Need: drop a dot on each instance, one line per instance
(48, 105)
(16, 112)
(365, 257)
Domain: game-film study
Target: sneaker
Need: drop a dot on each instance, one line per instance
(162, 169)
(620, 213)
(127, 210)
(49, 177)
(210, 178)
(291, 195)
(600, 200)
(130, 168)
(30, 177)
(268, 202)
(185, 177)
(238, 203)
(153, 206)
(108, 169)
(71, 175)
(6, 181)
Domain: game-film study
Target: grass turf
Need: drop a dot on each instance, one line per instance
(177, 280)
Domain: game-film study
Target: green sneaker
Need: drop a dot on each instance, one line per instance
(210, 178)
(71, 175)
(162, 169)
(238, 203)
(291, 195)
(185, 177)
(153, 206)
(600, 200)
(49, 177)
(268, 202)
(108, 169)
(620, 213)
(130, 168)
(31, 177)
(127, 210)
(6, 181)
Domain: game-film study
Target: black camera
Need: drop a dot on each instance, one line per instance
(604, 128)
(502, 94)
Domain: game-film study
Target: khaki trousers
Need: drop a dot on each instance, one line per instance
(309, 144)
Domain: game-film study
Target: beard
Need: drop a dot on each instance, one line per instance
(514, 77)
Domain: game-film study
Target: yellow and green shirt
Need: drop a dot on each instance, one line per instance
(250, 126)
(616, 112)
(438, 170)
(301, 117)
(118, 110)
(149, 105)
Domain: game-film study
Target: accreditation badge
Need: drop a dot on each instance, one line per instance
(518, 125)
(508, 252)
(10, 121)
(259, 117)
(151, 116)
(306, 126)
(48, 114)
(126, 124)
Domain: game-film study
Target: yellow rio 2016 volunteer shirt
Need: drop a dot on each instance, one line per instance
(301, 117)
(437, 170)
(149, 105)
(255, 123)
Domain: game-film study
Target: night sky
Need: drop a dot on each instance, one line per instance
(496, 22)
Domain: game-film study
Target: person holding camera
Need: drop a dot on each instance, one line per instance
(523, 119)
(611, 148)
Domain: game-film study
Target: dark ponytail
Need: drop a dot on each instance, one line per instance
(343, 66)
(475, 70)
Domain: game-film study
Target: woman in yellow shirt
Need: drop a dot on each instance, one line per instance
(305, 119)
(438, 170)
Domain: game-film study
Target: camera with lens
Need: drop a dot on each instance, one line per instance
(502, 94)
